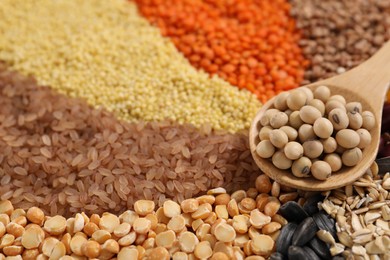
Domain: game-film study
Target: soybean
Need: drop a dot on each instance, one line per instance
(321, 170)
(308, 93)
(323, 128)
(354, 107)
(322, 93)
(334, 161)
(348, 138)
(365, 138)
(339, 98)
(352, 157)
(278, 120)
(293, 150)
(264, 132)
(280, 160)
(306, 133)
(332, 104)
(312, 149)
(266, 119)
(368, 120)
(317, 104)
(291, 133)
(278, 138)
(295, 120)
(329, 144)
(281, 101)
(355, 120)
(296, 99)
(301, 167)
(309, 114)
(265, 149)
(339, 119)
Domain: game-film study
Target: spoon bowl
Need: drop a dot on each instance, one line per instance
(367, 84)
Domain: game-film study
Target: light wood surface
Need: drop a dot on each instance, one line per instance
(368, 84)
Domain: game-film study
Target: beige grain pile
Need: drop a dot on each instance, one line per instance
(105, 52)
(60, 154)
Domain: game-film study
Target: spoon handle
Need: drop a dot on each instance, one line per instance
(370, 79)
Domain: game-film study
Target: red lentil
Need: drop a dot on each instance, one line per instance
(252, 44)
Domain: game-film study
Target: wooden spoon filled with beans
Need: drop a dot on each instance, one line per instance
(323, 135)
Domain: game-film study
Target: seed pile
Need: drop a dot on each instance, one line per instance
(105, 52)
(252, 44)
(215, 226)
(67, 157)
(338, 35)
(362, 213)
(314, 133)
(308, 231)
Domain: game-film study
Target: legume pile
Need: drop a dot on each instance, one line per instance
(125, 137)
(314, 133)
(252, 44)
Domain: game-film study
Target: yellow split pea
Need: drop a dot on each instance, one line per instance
(105, 52)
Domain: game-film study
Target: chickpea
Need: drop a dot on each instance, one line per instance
(280, 160)
(321, 170)
(308, 93)
(339, 98)
(329, 144)
(334, 161)
(291, 133)
(312, 149)
(338, 118)
(322, 93)
(306, 132)
(365, 138)
(296, 99)
(293, 150)
(278, 120)
(317, 104)
(332, 104)
(368, 120)
(301, 167)
(323, 128)
(281, 101)
(295, 120)
(265, 149)
(352, 157)
(348, 138)
(355, 120)
(309, 114)
(264, 132)
(278, 138)
(354, 107)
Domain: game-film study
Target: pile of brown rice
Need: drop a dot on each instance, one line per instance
(63, 156)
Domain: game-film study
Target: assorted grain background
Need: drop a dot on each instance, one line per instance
(64, 156)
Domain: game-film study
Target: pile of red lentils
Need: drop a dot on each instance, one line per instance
(201, 62)
(251, 44)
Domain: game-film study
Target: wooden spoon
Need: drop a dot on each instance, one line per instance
(367, 84)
